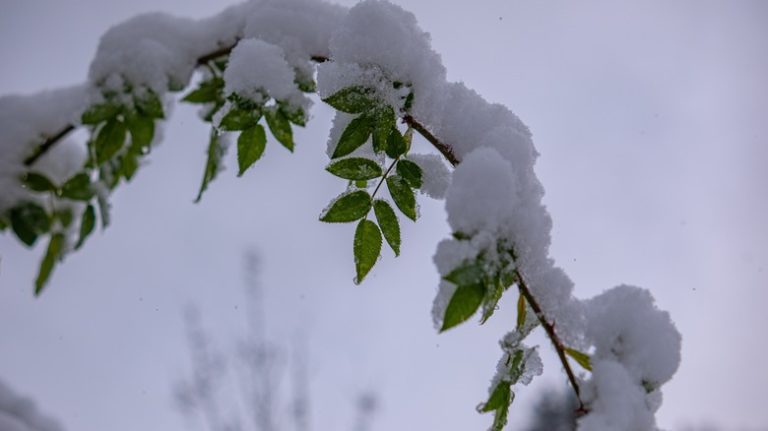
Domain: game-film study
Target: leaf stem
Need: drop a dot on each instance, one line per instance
(384, 177)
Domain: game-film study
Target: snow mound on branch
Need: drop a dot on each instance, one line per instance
(256, 67)
(625, 325)
(18, 413)
(26, 121)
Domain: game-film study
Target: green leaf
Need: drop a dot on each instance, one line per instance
(38, 182)
(99, 113)
(280, 127)
(500, 397)
(354, 136)
(367, 247)
(464, 303)
(411, 173)
(521, 312)
(142, 131)
(354, 99)
(78, 188)
(396, 144)
(237, 119)
(493, 293)
(87, 223)
(212, 164)
(581, 358)
(28, 221)
(385, 122)
(307, 85)
(403, 196)
(390, 227)
(295, 115)
(129, 165)
(207, 92)
(517, 365)
(355, 169)
(471, 272)
(348, 207)
(110, 140)
(149, 105)
(250, 147)
(52, 254)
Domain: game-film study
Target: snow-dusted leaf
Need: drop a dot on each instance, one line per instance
(250, 147)
(367, 248)
(280, 127)
(355, 169)
(390, 227)
(385, 122)
(353, 100)
(149, 105)
(207, 92)
(348, 207)
(403, 196)
(470, 272)
(52, 254)
(87, 223)
(411, 173)
(355, 135)
(239, 119)
(396, 144)
(142, 129)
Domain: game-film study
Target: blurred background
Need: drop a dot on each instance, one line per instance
(650, 117)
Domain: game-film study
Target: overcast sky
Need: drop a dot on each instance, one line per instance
(650, 117)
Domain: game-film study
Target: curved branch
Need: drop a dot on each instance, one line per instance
(447, 151)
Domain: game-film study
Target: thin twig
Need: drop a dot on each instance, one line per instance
(549, 327)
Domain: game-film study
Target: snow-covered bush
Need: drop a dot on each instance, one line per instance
(258, 64)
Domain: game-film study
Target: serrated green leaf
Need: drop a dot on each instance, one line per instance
(521, 312)
(52, 254)
(142, 131)
(280, 127)
(295, 115)
(493, 293)
(237, 119)
(581, 358)
(213, 163)
(464, 303)
(348, 207)
(471, 272)
(390, 227)
(78, 188)
(38, 182)
(109, 140)
(207, 92)
(87, 223)
(250, 147)
(396, 144)
(149, 105)
(355, 169)
(500, 397)
(355, 135)
(385, 122)
(99, 113)
(411, 173)
(367, 248)
(353, 100)
(28, 221)
(403, 196)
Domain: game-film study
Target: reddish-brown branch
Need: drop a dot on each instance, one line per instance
(447, 151)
